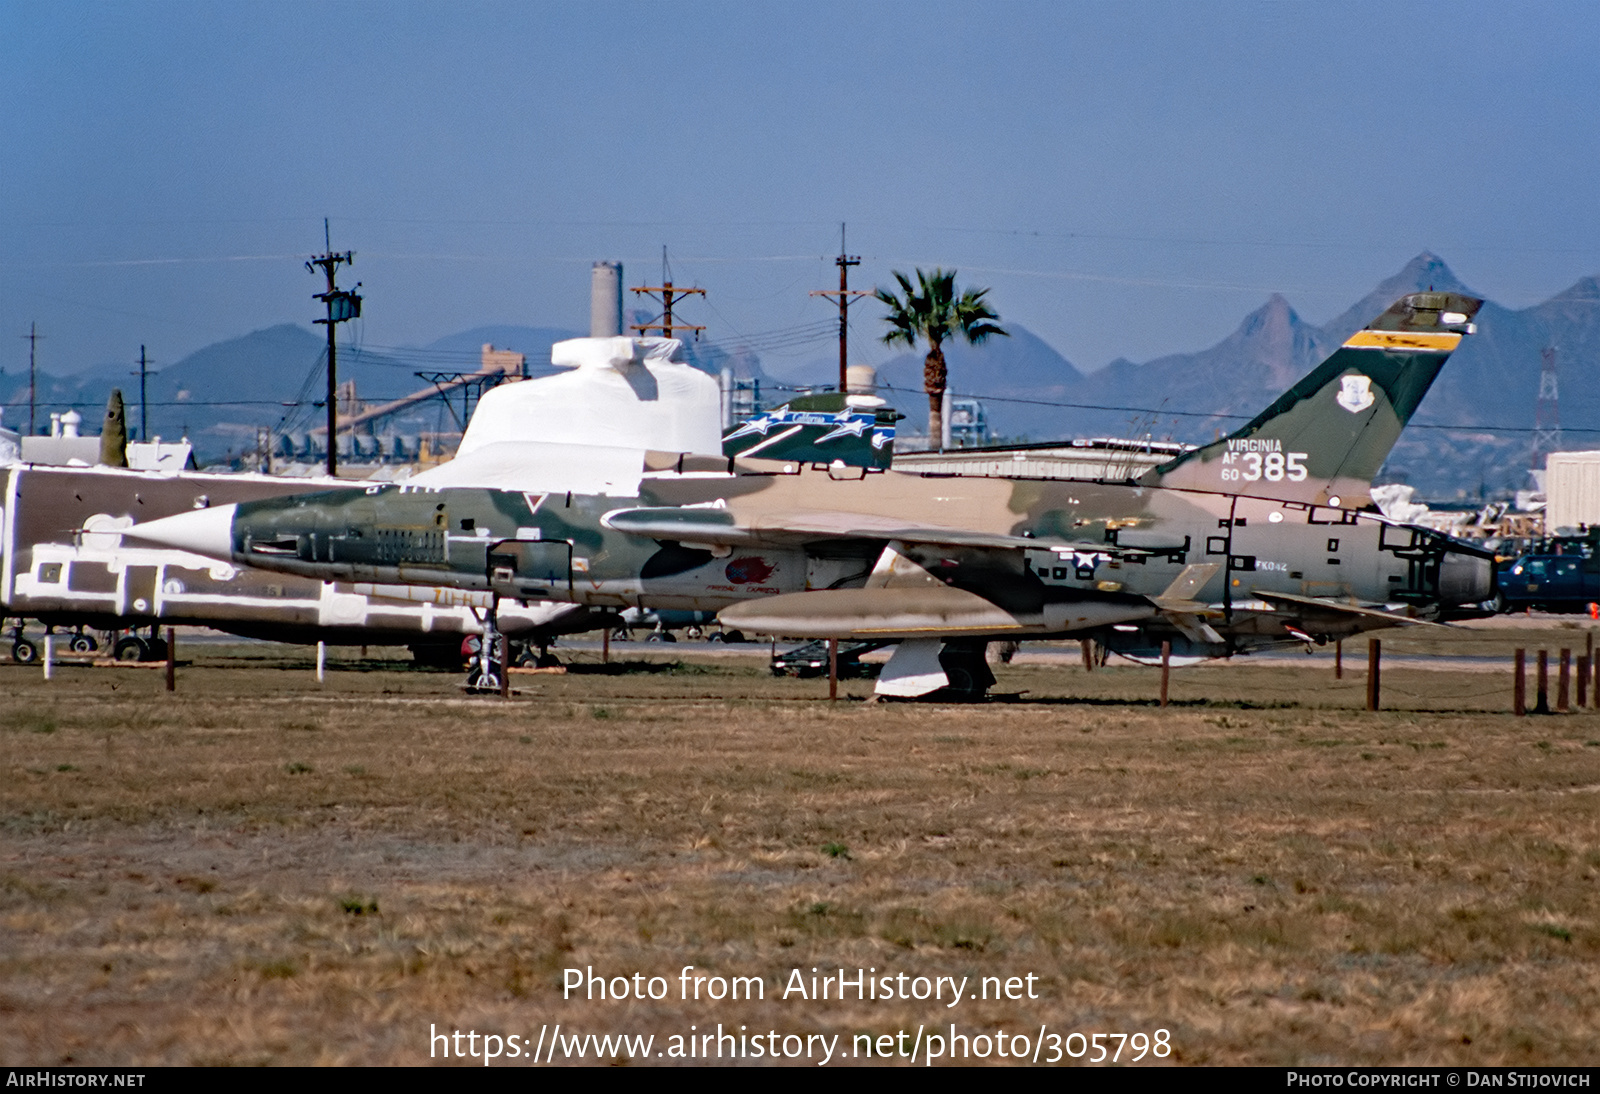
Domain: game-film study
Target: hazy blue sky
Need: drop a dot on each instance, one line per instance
(1129, 178)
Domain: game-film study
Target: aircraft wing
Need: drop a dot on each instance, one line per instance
(718, 526)
(1340, 607)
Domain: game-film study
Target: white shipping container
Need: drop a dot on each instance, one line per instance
(1572, 485)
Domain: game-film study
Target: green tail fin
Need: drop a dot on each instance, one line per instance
(1324, 439)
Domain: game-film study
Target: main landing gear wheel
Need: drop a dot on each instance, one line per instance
(967, 670)
(24, 652)
(130, 648)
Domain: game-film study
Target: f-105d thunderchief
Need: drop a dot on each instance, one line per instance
(1264, 538)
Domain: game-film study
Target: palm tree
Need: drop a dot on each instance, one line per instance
(933, 312)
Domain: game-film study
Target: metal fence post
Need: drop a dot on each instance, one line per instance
(1166, 668)
(1374, 669)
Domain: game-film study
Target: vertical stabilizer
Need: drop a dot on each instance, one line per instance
(1323, 440)
(853, 429)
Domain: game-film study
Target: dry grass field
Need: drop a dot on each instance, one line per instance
(260, 869)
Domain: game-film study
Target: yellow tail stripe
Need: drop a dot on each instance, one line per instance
(1442, 342)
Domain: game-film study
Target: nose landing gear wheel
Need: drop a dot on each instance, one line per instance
(479, 680)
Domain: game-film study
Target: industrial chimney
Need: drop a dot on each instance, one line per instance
(605, 300)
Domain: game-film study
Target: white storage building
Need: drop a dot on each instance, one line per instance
(1572, 485)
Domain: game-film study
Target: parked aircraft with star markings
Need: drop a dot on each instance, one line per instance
(1266, 537)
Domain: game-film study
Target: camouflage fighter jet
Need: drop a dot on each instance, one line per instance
(63, 562)
(1267, 537)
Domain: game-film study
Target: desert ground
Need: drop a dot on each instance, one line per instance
(261, 869)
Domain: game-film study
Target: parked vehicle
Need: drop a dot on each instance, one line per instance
(811, 659)
(1567, 582)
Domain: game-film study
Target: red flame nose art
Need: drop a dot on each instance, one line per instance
(746, 571)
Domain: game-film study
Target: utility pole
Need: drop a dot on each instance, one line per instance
(845, 295)
(668, 295)
(144, 426)
(342, 304)
(33, 337)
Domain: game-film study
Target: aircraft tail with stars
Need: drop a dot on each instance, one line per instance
(857, 430)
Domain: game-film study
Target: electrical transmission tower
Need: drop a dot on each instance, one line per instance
(1547, 412)
(667, 294)
(846, 297)
(342, 304)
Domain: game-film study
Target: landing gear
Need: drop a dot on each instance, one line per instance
(130, 647)
(526, 657)
(24, 652)
(83, 643)
(967, 670)
(950, 670)
(486, 672)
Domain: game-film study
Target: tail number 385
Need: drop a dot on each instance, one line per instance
(1272, 466)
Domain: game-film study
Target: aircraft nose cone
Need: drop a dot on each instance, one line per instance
(207, 532)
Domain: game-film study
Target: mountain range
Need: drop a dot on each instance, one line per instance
(1472, 435)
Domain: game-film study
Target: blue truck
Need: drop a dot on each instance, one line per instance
(1566, 580)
